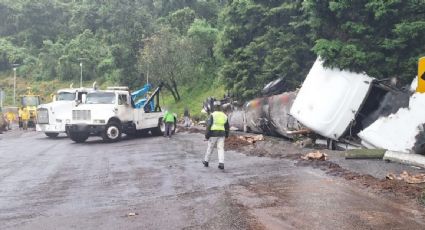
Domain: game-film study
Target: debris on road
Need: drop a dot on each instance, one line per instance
(192, 129)
(252, 138)
(405, 176)
(132, 214)
(315, 156)
(305, 143)
(235, 143)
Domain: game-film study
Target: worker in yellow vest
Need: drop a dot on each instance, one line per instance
(20, 111)
(10, 117)
(217, 130)
(25, 118)
(169, 120)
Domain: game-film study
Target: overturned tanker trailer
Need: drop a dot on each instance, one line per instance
(338, 104)
(270, 115)
(267, 115)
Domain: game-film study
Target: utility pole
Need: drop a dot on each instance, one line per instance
(1, 98)
(14, 86)
(81, 70)
(81, 74)
(147, 75)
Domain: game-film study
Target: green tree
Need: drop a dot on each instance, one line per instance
(382, 38)
(168, 58)
(262, 41)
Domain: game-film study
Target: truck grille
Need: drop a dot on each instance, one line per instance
(42, 116)
(81, 115)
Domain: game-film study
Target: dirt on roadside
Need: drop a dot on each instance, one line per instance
(270, 149)
(235, 143)
(397, 188)
(384, 186)
(192, 129)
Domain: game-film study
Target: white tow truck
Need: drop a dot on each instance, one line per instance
(52, 117)
(112, 112)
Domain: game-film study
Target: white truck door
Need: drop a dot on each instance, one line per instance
(125, 111)
(147, 120)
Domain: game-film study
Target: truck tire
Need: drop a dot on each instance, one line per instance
(142, 133)
(112, 132)
(160, 130)
(52, 135)
(78, 137)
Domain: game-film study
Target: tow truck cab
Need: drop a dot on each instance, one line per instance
(109, 113)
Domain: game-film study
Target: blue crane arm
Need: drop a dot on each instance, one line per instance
(141, 91)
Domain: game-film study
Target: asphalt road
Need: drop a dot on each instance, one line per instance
(57, 184)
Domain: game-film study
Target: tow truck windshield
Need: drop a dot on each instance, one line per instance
(100, 98)
(65, 96)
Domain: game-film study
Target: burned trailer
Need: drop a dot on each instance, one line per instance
(338, 104)
(270, 115)
(236, 118)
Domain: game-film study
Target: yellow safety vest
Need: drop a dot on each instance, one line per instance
(25, 115)
(219, 120)
(10, 116)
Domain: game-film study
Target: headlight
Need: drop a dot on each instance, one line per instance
(98, 121)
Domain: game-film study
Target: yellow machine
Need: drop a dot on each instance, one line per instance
(30, 101)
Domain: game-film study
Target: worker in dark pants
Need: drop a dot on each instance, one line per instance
(169, 120)
(217, 131)
(186, 117)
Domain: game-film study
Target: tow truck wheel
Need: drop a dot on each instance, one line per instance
(112, 133)
(52, 135)
(79, 137)
(160, 130)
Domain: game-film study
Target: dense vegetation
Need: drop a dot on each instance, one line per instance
(196, 43)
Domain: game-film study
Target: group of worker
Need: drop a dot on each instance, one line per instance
(216, 132)
(23, 118)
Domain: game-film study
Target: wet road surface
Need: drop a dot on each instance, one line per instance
(57, 184)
